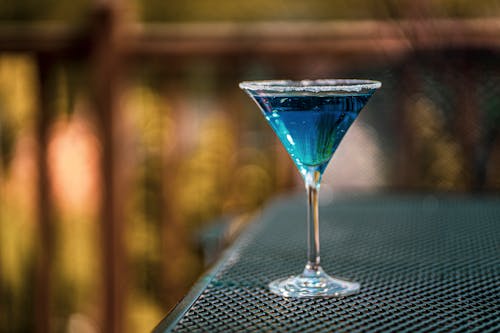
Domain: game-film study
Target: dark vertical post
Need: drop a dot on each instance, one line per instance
(467, 120)
(106, 66)
(406, 169)
(44, 243)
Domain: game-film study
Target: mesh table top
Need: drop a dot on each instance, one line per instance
(425, 263)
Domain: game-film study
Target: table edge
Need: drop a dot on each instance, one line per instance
(176, 314)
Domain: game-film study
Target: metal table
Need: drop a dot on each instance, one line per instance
(425, 263)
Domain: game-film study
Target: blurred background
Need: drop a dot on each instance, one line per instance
(129, 157)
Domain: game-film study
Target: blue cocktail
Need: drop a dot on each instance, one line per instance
(310, 118)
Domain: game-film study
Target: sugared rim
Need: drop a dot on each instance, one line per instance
(314, 86)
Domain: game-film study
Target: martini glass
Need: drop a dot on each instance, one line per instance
(310, 118)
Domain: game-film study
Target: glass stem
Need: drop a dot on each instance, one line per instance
(312, 188)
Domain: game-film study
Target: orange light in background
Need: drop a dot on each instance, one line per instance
(73, 155)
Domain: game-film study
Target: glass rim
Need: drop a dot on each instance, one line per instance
(314, 86)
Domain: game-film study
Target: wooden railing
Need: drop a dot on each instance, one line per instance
(110, 46)
(267, 38)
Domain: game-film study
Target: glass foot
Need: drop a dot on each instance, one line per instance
(313, 283)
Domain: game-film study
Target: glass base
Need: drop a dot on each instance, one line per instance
(313, 283)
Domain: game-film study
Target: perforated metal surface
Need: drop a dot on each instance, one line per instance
(424, 263)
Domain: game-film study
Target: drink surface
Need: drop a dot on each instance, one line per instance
(311, 127)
